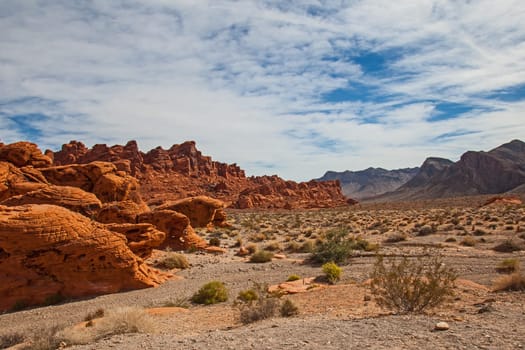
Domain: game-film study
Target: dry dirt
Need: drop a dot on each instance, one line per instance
(331, 317)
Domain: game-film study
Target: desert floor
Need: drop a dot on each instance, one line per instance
(344, 315)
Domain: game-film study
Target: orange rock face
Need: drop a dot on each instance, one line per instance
(179, 233)
(47, 250)
(503, 200)
(14, 181)
(182, 171)
(100, 178)
(72, 198)
(200, 210)
(24, 153)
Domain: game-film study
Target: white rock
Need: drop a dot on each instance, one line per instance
(441, 326)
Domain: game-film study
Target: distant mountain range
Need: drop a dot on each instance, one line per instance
(370, 182)
(501, 170)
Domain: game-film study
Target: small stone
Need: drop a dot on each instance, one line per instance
(441, 326)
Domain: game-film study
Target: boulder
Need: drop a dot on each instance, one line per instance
(15, 181)
(201, 210)
(179, 233)
(72, 198)
(48, 251)
(24, 153)
(120, 212)
(142, 238)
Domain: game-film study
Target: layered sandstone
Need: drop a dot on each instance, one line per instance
(24, 153)
(47, 250)
(182, 171)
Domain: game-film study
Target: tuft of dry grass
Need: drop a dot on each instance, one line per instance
(513, 282)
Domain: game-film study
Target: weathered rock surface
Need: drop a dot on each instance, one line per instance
(182, 171)
(179, 233)
(72, 198)
(100, 178)
(14, 181)
(47, 250)
(142, 238)
(120, 212)
(24, 153)
(201, 210)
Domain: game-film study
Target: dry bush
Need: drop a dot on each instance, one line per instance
(9, 340)
(469, 241)
(262, 307)
(508, 265)
(95, 314)
(396, 237)
(172, 261)
(412, 286)
(261, 256)
(288, 309)
(507, 246)
(117, 321)
(337, 247)
(513, 282)
(46, 338)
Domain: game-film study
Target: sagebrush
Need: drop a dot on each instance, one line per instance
(412, 285)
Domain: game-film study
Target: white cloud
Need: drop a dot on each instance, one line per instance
(246, 79)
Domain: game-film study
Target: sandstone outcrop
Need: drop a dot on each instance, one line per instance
(15, 181)
(72, 198)
(120, 212)
(201, 210)
(142, 238)
(182, 171)
(24, 153)
(47, 250)
(179, 233)
(100, 178)
(503, 200)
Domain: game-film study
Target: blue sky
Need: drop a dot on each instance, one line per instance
(293, 88)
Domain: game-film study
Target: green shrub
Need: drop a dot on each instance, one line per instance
(211, 293)
(336, 248)
(508, 266)
(261, 256)
(173, 261)
(332, 272)
(247, 295)
(293, 277)
(288, 309)
(412, 286)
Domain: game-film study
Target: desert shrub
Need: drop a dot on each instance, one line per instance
(46, 338)
(215, 241)
(173, 261)
(211, 293)
(507, 246)
(179, 302)
(508, 265)
(248, 295)
(451, 239)
(265, 306)
(8, 340)
(293, 277)
(261, 256)
(479, 232)
(272, 247)
(332, 272)
(252, 248)
(307, 247)
(293, 247)
(396, 237)
(336, 248)
(288, 308)
(426, 230)
(513, 282)
(412, 286)
(95, 314)
(117, 321)
(469, 241)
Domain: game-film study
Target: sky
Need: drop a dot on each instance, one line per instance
(293, 88)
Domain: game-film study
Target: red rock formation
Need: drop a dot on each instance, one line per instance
(200, 210)
(72, 198)
(503, 200)
(47, 250)
(14, 181)
(179, 233)
(182, 171)
(119, 212)
(142, 238)
(101, 178)
(24, 153)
